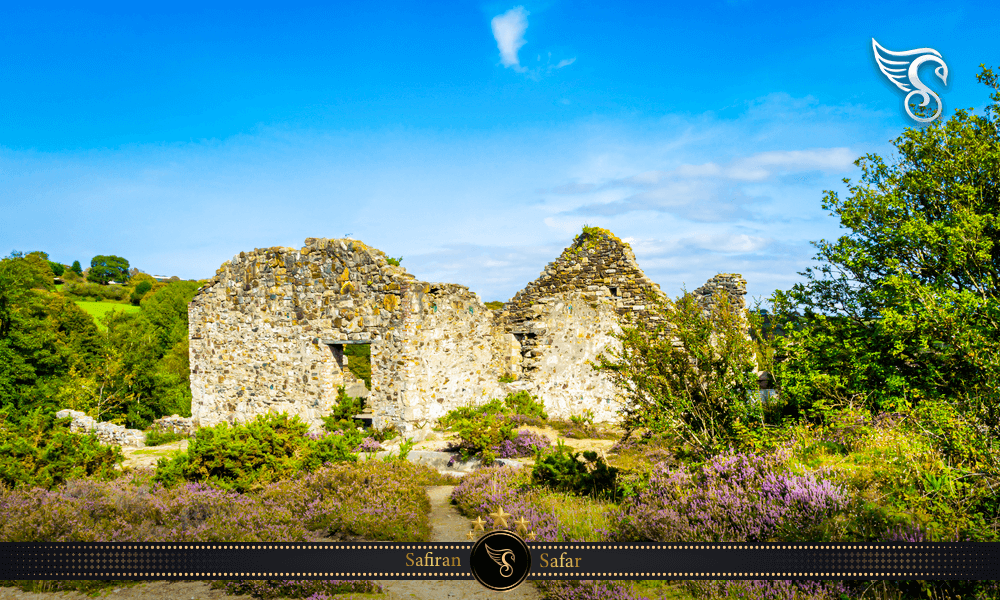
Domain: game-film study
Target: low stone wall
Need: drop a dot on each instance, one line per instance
(174, 424)
(108, 433)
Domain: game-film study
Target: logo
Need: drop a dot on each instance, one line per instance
(901, 69)
(500, 560)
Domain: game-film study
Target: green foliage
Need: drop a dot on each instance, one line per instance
(341, 417)
(482, 427)
(57, 269)
(904, 308)
(140, 290)
(523, 403)
(95, 291)
(39, 451)
(394, 261)
(105, 269)
(359, 361)
(494, 305)
(508, 378)
(698, 389)
(562, 470)
(76, 268)
(479, 433)
(248, 456)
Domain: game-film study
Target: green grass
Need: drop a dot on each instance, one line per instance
(99, 309)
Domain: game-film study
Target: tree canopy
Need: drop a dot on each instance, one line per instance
(905, 307)
(105, 269)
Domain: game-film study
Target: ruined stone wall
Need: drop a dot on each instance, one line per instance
(257, 329)
(727, 287)
(267, 333)
(568, 332)
(449, 353)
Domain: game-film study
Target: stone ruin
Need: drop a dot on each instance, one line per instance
(268, 332)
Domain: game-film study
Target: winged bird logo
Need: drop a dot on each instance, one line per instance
(901, 69)
(500, 558)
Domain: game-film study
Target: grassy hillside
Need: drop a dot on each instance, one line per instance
(99, 309)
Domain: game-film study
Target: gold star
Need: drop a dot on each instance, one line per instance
(500, 517)
(521, 524)
(469, 535)
(531, 536)
(478, 524)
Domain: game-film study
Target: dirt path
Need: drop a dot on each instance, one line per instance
(449, 526)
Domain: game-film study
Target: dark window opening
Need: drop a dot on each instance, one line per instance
(614, 291)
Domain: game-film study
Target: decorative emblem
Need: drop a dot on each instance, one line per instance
(503, 564)
(500, 557)
(901, 69)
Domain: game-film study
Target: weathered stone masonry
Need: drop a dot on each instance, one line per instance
(267, 333)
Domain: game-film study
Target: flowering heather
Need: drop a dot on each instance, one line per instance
(733, 497)
(588, 590)
(527, 443)
(483, 491)
(769, 589)
(374, 500)
(311, 589)
(369, 445)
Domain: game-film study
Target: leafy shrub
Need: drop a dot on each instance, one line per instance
(690, 375)
(394, 261)
(341, 417)
(316, 589)
(245, 457)
(39, 450)
(368, 445)
(563, 470)
(57, 269)
(479, 435)
(95, 291)
(732, 497)
(140, 290)
(494, 305)
(485, 428)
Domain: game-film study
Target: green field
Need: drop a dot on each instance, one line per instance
(98, 309)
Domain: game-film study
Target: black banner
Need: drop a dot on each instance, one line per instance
(378, 560)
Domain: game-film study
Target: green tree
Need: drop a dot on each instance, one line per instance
(692, 375)
(105, 269)
(76, 268)
(905, 307)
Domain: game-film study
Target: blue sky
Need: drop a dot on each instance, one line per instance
(473, 139)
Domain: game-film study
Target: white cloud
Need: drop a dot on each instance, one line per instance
(566, 62)
(508, 29)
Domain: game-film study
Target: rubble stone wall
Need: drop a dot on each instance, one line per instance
(267, 333)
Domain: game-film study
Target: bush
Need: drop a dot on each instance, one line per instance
(140, 290)
(246, 457)
(563, 470)
(689, 376)
(525, 443)
(372, 500)
(40, 451)
(341, 417)
(731, 498)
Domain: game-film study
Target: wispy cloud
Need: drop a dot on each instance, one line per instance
(508, 29)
